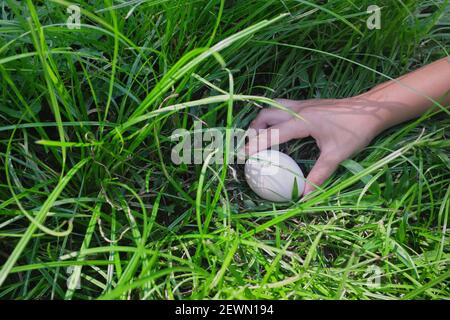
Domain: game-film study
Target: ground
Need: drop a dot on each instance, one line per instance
(93, 207)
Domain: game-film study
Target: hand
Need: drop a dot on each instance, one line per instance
(340, 127)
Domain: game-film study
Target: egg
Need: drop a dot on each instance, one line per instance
(272, 175)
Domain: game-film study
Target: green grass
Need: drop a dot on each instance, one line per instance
(89, 194)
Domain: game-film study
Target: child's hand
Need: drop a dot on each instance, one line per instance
(340, 128)
(344, 126)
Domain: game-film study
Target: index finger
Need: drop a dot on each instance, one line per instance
(276, 135)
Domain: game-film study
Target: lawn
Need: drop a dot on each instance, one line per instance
(93, 207)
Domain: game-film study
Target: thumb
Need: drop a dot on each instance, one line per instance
(322, 170)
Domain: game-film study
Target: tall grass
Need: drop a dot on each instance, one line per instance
(93, 207)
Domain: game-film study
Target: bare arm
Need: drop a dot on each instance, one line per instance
(413, 91)
(342, 127)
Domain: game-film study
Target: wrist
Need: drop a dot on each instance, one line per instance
(385, 111)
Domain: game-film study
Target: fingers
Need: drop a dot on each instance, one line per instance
(322, 170)
(260, 122)
(277, 134)
(268, 117)
(273, 116)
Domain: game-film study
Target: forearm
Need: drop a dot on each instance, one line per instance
(412, 94)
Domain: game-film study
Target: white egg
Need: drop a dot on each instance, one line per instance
(271, 175)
